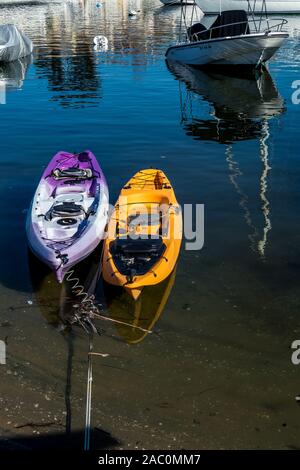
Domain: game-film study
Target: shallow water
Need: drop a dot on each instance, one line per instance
(216, 371)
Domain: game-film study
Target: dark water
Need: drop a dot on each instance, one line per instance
(216, 372)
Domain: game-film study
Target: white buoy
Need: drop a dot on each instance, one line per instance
(101, 42)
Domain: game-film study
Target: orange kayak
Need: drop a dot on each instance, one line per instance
(144, 233)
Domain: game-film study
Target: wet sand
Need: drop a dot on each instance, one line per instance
(190, 384)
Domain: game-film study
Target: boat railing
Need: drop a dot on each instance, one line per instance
(259, 26)
(268, 24)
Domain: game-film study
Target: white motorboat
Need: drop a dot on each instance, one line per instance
(176, 2)
(273, 6)
(236, 37)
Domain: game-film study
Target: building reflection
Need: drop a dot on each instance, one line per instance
(65, 55)
(74, 79)
(63, 34)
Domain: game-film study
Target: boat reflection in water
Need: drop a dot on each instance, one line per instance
(13, 74)
(240, 109)
(239, 104)
(137, 318)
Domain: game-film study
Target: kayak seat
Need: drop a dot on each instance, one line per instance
(140, 254)
(140, 245)
(65, 209)
(197, 32)
(74, 173)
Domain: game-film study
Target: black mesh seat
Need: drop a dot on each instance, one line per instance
(74, 173)
(66, 209)
(139, 246)
(136, 256)
(225, 27)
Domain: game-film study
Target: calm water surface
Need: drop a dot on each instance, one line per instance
(216, 372)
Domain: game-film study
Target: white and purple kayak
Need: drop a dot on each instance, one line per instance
(69, 211)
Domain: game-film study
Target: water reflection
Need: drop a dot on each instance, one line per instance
(56, 304)
(12, 74)
(141, 314)
(258, 239)
(133, 320)
(240, 109)
(238, 104)
(74, 80)
(56, 301)
(64, 53)
(64, 50)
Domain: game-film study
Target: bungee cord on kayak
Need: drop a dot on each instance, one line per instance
(88, 310)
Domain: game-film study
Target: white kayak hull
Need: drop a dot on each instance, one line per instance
(273, 6)
(250, 50)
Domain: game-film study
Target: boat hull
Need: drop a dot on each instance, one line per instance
(249, 50)
(150, 193)
(177, 2)
(273, 6)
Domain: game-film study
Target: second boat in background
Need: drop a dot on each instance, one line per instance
(273, 6)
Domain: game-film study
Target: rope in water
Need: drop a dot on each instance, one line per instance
(88, 310)
(88, 409)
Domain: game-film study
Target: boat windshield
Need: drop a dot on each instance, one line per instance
(229, 23)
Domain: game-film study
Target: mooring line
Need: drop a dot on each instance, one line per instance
(87, 431)
(84, 319)
(113, 320)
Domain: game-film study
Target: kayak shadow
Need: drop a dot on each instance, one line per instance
(135, 319)
(57, 304)
(56, 301)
